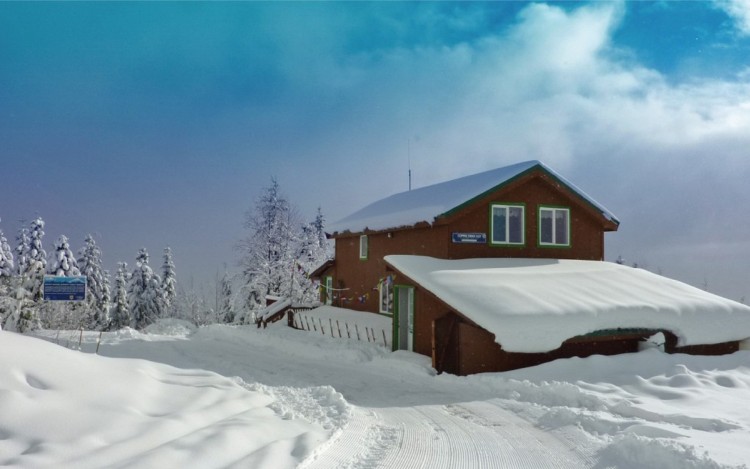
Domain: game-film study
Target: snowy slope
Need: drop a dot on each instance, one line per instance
(61, 408)
(533, 305)
(645, 410)
(426, 203)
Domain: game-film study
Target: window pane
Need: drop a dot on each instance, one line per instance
(499, 224)
(561, 226)
(515, 228)
(329, 290)
(545, 228)
(363, 246)
(386, 296)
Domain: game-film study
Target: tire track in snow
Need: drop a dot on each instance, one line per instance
(360, 444)
(555, 449)
(456, 436)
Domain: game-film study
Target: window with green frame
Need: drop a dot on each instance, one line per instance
(328, 289)
(507, 224)
(385, 293)
(363, 247)
(554, 226)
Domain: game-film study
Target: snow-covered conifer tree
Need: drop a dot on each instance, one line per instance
(192, 306)
(313, 249)
(169, 280)
(23, 244)
(6, 260)
(64, 263)
(226, 312)
(268, 257)
(97, 285)
(7, 302)
(120, 311)
(308, 255)
(36, 262)
(32, 279)
(145, 296)
(318, 226)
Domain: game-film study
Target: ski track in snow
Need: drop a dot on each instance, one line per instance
(467, 435)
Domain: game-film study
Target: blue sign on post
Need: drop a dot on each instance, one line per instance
(64, 288)
(471, 238)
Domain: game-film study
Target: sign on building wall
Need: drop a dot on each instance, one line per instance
(471, 238)
(64, 288)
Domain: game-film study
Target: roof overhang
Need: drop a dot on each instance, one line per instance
(534, 305)
(317, 273)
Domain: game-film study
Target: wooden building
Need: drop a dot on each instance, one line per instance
(522, 211)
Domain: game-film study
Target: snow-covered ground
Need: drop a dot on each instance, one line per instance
(303, 398)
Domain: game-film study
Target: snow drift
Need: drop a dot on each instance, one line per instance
(62, 408)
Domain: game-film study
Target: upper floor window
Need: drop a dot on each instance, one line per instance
(507, 224)
(554, 226)
(363, 247)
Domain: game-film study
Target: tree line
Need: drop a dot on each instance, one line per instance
(277, 256)
(139, 298)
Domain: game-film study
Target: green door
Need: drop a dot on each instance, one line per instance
(403, 318)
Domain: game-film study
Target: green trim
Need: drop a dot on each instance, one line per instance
(328, 289)
(583, 198)
(539, 243)
(367, 247)
(536, 167)
(623, 330)
(490, 231)
(380, 301)
(397, 314)
(487, 192)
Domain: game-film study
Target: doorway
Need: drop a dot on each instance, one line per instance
(404, 318)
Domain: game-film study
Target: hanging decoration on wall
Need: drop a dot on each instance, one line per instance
(385, 293)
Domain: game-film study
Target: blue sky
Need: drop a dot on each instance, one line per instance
(158, 124)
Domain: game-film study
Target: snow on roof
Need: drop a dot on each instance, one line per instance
(533, 305)
(426, 203)
(274, 307)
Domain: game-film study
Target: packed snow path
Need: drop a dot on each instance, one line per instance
(469, 435)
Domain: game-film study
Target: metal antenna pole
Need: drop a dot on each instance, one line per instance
(408, 153)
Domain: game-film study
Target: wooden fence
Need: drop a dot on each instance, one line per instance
(335, 329)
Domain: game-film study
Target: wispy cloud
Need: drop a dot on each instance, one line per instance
(668, 157)
(739, 10)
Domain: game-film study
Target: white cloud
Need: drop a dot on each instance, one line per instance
(739, 10)
(670, 159)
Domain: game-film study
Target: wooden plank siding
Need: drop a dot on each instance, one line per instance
(536, 189)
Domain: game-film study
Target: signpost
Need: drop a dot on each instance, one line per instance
(64, 288)
(470, 238)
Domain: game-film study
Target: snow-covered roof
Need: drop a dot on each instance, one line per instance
(426, 203)
(534, 305)
(274, 307)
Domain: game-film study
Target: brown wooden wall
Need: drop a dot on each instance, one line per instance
(474, 350)
(361, 277)
(586, 231)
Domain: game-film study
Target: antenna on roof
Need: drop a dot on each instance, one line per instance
(408, 153)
